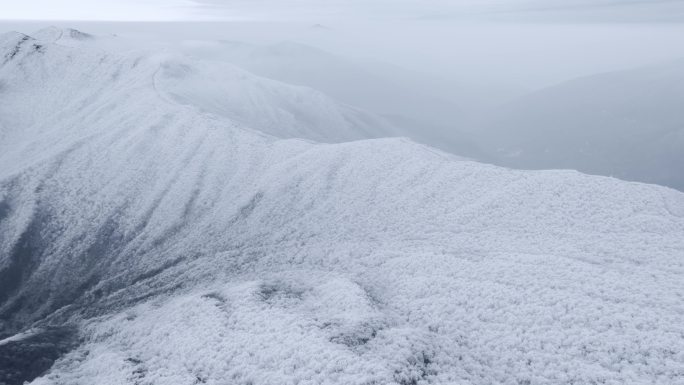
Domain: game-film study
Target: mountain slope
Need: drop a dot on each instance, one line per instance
(267, 105)
(220, 88)
(64, 36)
(628, 124)
(430, 110)
(187, 247)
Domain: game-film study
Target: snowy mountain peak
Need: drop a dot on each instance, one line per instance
(14, 44)
(215, 88)
(12, 37)
(54, 34)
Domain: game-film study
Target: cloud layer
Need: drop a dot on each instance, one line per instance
(511, 10)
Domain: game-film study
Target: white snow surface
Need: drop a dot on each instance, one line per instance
(194, 243)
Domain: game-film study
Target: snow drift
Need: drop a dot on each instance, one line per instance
(192, 244)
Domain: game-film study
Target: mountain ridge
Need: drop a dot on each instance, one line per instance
(189, 247)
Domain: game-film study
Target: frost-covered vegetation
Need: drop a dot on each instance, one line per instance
(183, 216)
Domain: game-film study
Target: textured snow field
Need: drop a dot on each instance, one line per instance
(191, 247)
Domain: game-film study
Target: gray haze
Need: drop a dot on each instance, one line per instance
(178, 10)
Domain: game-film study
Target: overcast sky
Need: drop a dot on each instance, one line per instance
(169, 10)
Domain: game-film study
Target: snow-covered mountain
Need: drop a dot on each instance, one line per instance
(442, 109)
(220, 88)
(189, 242)
(628, 124)
(63, 36)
